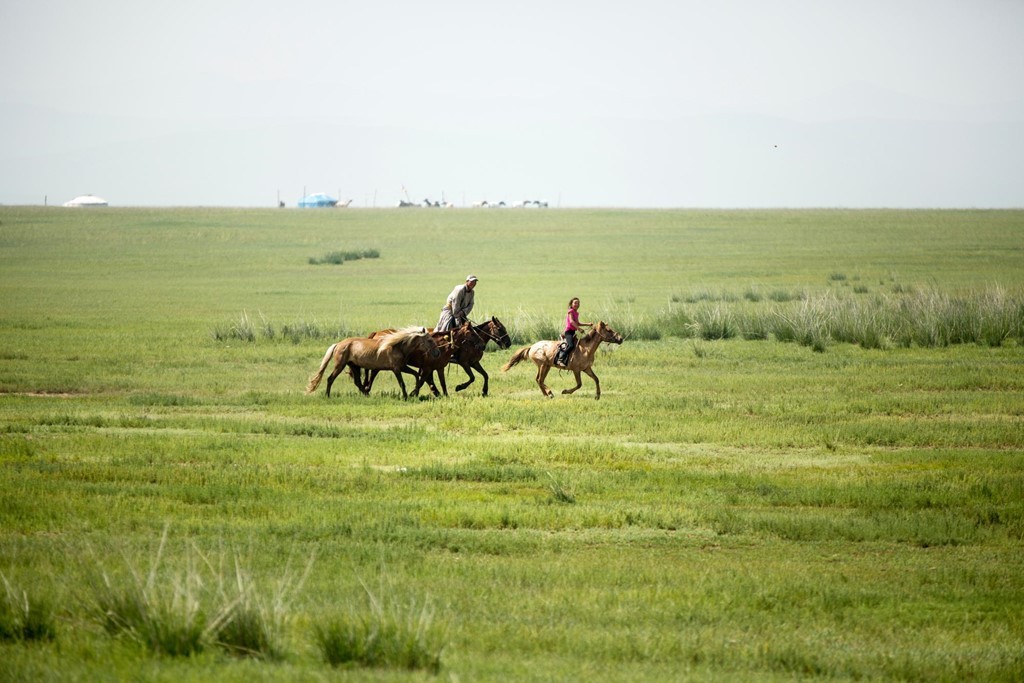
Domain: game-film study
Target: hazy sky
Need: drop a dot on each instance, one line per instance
(642, 104)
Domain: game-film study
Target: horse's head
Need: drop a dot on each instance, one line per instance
(607, 334)
(498, 333)
(424, 342)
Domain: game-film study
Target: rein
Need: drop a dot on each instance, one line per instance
(480, 331)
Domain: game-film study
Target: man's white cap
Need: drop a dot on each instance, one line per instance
(471, 278)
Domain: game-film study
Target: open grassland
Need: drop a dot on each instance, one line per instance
(839, 498)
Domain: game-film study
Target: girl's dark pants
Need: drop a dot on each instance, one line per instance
(566, 347)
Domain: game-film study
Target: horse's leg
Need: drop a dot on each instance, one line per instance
(441, 379)
(364, 386)
(401, 383)
(338, 367)
(542, 373)
(429, 372)
(597, 383)
(472, 377)
(579, 383)
(425, 376)
(433, 384)
(483, 373)
(418, 374)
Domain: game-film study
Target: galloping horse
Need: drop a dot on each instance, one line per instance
(471, 354)
(582, 359)
(448, 343)
(467, 343)
(385, 353)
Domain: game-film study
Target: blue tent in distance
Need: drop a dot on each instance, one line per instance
(317, 200)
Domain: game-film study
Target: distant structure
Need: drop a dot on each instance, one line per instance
(87, 200)
(317, 200)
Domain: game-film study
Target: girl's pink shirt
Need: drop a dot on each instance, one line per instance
(572, 320)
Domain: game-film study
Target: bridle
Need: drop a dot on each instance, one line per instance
(481, 331)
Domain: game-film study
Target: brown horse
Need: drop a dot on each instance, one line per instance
(468, 358)
(448, 344)
(582, 359)
(385, 353)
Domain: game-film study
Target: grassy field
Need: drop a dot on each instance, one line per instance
(806, 461)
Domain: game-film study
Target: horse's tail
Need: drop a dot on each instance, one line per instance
(314, 380)
(520, 355)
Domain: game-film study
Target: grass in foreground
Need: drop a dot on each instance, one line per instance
(732, 508)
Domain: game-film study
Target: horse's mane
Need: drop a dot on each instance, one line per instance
(400, 338)
(589, 336)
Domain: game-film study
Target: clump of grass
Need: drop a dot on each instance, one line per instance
(807, 324)
(240, 330)
(255, 624)
(336, 258)
(706, 295)
(925, 318)
(301, 330)
(678, 322)
(181, 613)
(162, 612)
(387, 632)
(561, 492)
(631, 325)
(528, 327)
(782, 296)
(755, 324)
(24, 618)
(295, 332)
(715, 322)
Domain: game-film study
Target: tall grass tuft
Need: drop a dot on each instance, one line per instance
(23, 618)
(255, 622)
(561, 492)
(388, 632)
(807, 324)
(715, 321)
(527, 327)
(241, 330)
(630, 324)
(162, 611)
(185, 612)
(295, 332)
(678, 322)
(337, 258)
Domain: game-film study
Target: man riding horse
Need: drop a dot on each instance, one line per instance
(458, 306)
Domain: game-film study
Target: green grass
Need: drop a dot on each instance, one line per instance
(387, 632)
(736, 507)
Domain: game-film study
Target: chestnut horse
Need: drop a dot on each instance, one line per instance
(385, 353)
(467, 344)
(543, 354)
(448, 343)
